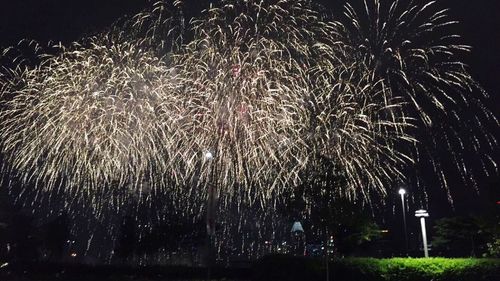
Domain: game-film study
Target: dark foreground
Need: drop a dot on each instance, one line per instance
(273, 268)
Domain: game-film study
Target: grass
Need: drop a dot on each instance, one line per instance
(372, 269)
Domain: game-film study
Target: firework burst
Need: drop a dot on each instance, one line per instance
(411, 48)
(87, 117)
(265, 96)
(245, 96)
(276, 91)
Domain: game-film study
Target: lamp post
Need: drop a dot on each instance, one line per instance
(402, 192)
(422, 214)
(211, 209)
(211, 200)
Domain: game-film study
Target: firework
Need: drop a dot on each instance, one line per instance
(267, 96)
(245, 95)
(276, 91)
(87, 117)
(411, 48)
(159, 28)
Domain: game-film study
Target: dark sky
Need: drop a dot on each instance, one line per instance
(68, 20)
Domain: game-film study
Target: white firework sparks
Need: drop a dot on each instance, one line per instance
(411, 48)
(87, 118)
(275, 90)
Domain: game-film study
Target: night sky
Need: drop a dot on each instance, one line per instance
(66, 21)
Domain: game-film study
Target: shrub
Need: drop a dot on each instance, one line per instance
(493, 248)
(371, 269)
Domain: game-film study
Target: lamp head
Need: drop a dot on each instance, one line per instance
(209, 155)
(421, 213)
(402, 191)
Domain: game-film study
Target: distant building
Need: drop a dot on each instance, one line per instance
(298, 239)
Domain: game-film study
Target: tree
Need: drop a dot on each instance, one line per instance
(493, 248)
(463, 235)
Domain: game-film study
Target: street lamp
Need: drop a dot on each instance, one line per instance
(402, 192)
(211, 198)
(211, 210)
(422, 214)
(209, 155)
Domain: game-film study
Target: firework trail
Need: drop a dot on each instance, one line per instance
(159, 28)
(412, 49)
